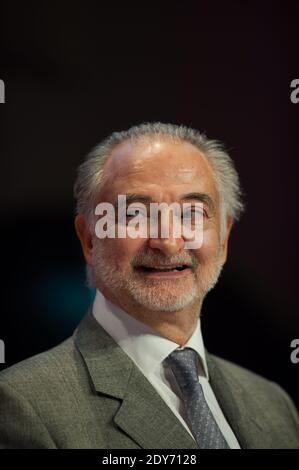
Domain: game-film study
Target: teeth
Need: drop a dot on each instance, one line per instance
(166, 269)
(160, 268)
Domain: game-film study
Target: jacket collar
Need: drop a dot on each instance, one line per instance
(241, 408)
(143, 414)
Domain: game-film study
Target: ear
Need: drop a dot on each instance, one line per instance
(85, 237)
(224, 243)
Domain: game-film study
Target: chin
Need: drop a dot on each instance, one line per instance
(165, 303)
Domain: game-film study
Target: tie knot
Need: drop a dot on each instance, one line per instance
(183, 363)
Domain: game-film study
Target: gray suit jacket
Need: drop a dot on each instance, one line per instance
(87, 393)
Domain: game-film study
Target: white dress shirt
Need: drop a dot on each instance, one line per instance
(148, 349)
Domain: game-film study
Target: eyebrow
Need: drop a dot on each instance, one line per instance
(202, 197)
(134, 197)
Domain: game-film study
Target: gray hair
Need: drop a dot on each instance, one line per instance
(90, 172)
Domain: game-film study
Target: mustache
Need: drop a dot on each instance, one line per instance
(150, 258)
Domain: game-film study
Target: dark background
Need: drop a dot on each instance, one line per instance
(76, 71)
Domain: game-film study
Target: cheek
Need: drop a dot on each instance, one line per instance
(122, 250)
(210, 247)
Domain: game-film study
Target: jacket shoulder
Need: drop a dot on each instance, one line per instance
(240, 374)
(42, 369)
(254, 385)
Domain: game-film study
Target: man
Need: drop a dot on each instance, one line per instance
(136, 374)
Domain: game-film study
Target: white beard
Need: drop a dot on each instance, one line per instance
(156, 295)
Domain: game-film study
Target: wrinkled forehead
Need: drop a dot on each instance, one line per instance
(156, 162)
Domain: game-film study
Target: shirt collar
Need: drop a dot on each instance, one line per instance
(146, 347)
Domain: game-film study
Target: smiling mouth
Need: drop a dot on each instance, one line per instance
(162, 269)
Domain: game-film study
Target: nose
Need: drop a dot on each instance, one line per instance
(169, 246)
(168, 238)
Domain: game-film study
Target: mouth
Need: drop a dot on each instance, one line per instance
(165, 270)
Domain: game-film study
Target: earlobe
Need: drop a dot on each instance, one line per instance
(85, 237)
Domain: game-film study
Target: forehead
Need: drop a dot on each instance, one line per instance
(157, 165)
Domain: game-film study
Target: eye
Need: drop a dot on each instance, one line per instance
(136, 210)
(193, 212)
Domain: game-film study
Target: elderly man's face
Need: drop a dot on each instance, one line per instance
(128, 269)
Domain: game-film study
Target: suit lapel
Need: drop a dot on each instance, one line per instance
(143, 415)
(240, 410)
